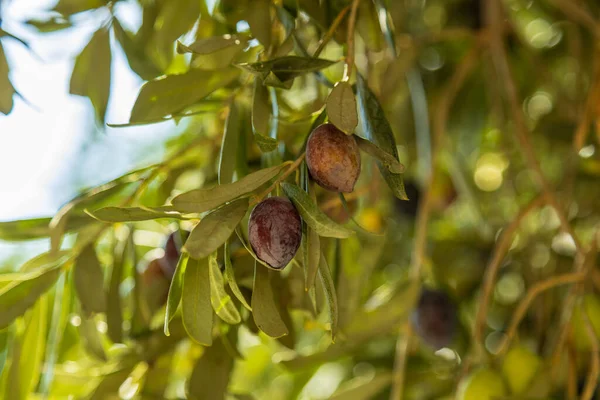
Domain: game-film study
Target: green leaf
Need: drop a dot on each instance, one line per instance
(168, 95)
(33, 347)
(265, 312)
(196, 306)
(6, 88)
(259, 19)
(17, 297)
(110, 383)
(341, 108)
(200, 200)
(265, 143)
(378, 130)
(114, 316)
(136, 57)
(212, 44)
(125, 214)
(313, 258)
(261, 114)
(94, 61)
(364, 390)
(89, 281)
(210, 376)
(70, 7)
(221, 301)
(329, 288)
(50, 24)
(230, 278)
(92, 341)
(385, 158)
(312, 215)
(286, 68)
(175, 290)
(214, 229)
(231, 138)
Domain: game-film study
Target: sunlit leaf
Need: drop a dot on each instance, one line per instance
(89, 281)
(94, 60)
(313, 258)
(377, 130)
(33, 347)
(126, 214)
(168, 95)
(230, 278)
(196, 306)
(341, 107)
(286, 68)
(330, 294)
(92, 340)
(364, 390)
(114, 312)
(214, 229)
(200, 200)
(6, 88)
(312, 215)
(175, 290)
(229, 144)
(265, 312)
(261, 114)
(211, 44)
(221, 301)
(210, 376)
(110, 383)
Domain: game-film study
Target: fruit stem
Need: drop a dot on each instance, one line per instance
(287, 173)
(338, 20)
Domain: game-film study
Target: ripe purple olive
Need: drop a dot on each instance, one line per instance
(275, 231)
(435, 318)
(175, 241)
(155, 284)
(333, 158)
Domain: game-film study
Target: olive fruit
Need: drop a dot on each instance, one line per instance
(173, 245)
(333, 158)
(434, 318)
(155, 284)
(275, 231)
(409, 207)
(483, 384)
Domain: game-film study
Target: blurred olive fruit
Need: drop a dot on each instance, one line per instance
(591, 304)
(483, 384)
(408, 207)
(333, 158)
(275, 231)
(173, 246)
(519, 367)
(155, 284)
(434, 318)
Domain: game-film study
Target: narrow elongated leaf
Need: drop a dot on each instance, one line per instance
(329, 288)
(165, 96)
(286, 68)
(70, 7)
(313, 258)
(210, 376)
(312, 215)
(215, 229)
(200, 200)
(6, 88)
(110, 383)
(259, 19)
(221, 301)
(211, 44)
(196, 307)
(126, 214)
(229, 145)
(33, 347)
(16, 298)
(175, 290)
(89, 281)
(230, 278)
(261, 114)
(94, 60)
(136, 57)
(92, 341)
(265, 312)
(341, 108)
(385, 158)
(114, 316)
(377, 130)
(366, 390)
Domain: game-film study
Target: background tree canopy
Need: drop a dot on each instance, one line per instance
(462, 264)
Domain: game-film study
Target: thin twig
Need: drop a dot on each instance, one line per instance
(293, 166)
(500, 59)
(532, 293)
(350, 38)
(572, 373)
(500, 250)
(592, 378)
(336, 201)
(329, 34)
(402, 346)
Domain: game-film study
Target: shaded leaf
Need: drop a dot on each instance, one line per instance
(377, 130)
(227, 156)
(92, 340)
(214, 229)
(196, 306)
(230, 278)
(264, 310)
(6, 88)
(221, 301)
(94, 61)
(259, 19)
(200, 200)
(286, 68)
(341, 108)
(89, 281)
(168, 95)
(175, 290)
(329, 288)
(312, 215)
(125, 214)
(136, 57)
(365, 390)
(114, 316)
(385, 158)
(313, 258)
(33, 347)
(261, 114)
(211, 44)
(210, 377)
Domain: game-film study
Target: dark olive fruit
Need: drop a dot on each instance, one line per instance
(434, 318)
(411, 206)
(333, 158)
(155, 285)
(275, 231)
(172, 252)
